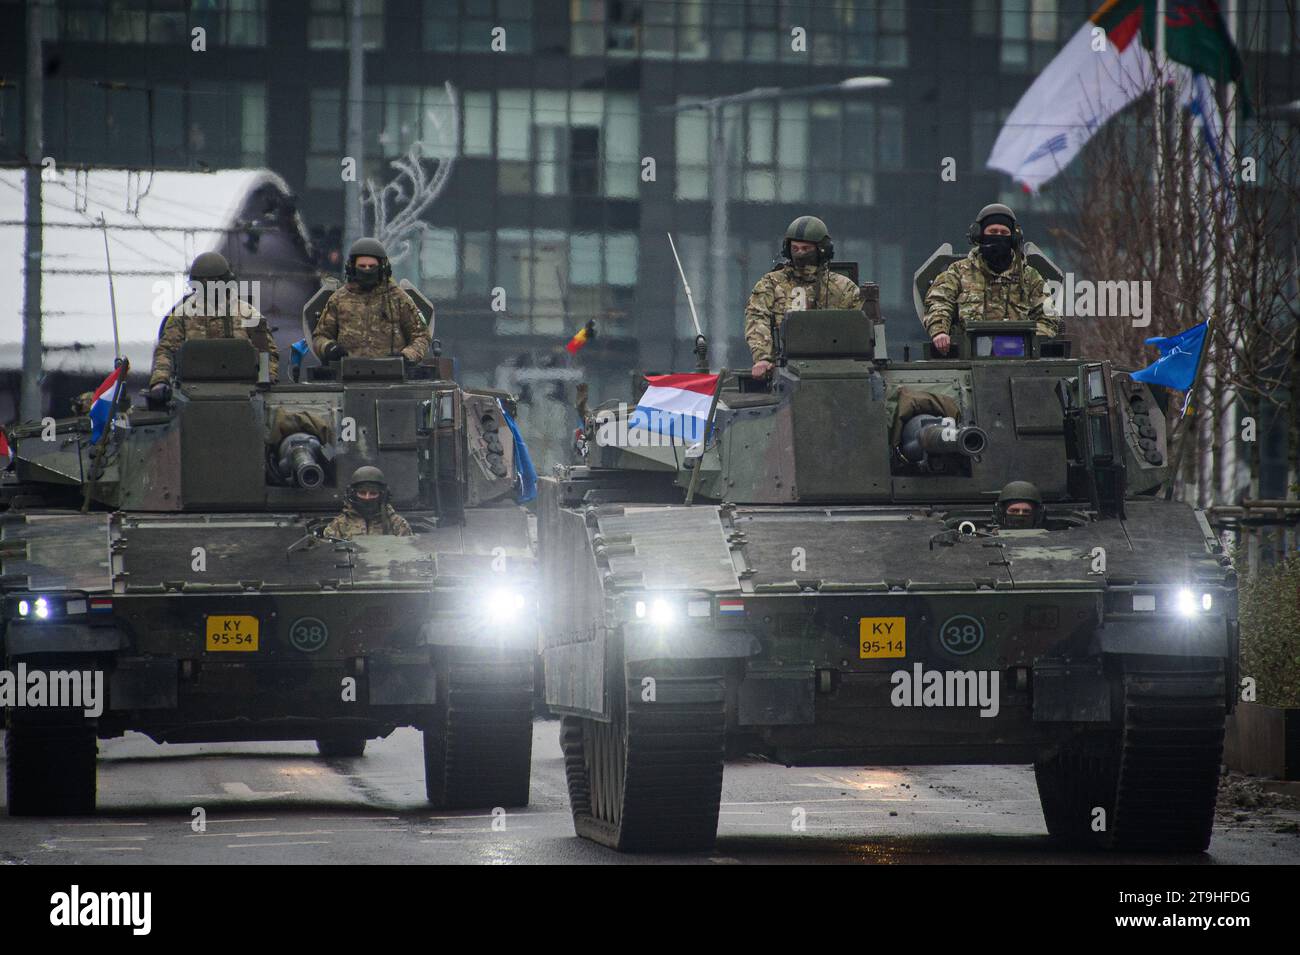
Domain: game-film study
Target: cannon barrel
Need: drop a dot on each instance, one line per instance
(925, 434)
(301, 461)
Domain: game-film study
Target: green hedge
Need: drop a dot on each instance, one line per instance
(1270, 632)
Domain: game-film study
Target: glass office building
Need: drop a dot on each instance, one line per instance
(567, 173)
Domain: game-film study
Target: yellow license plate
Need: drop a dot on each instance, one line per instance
(882, 637)
(231, 633)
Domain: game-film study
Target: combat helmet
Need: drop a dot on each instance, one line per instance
(1019, 492)
(210, 266)
(995, 209)
(809, 229)
(367, 245)
(368, 474)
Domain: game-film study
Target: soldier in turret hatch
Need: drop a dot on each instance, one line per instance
(804, 282)
(371, 316)
(212, 310)
(367, 510)
(993, 283)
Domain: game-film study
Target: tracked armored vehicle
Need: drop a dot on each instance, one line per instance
(188, 568)
(823, 582)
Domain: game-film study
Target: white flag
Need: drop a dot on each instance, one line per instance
(1079, 91)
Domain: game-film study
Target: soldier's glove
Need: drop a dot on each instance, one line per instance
(334, 352)
(156, 398)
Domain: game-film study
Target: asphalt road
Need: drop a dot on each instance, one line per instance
(280, 802)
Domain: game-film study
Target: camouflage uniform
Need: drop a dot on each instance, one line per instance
(773, 296)
(376, 324)
(241, 321)
(969, 291)
(351, 524)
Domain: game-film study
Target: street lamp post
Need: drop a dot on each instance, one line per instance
(719, 330)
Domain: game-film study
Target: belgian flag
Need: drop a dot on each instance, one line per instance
(587, 333)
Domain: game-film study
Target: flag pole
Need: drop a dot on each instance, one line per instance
(701, 342)
(704, 442)
(112, 298)
(1180, 434)
(101, 446)
(1159, 110)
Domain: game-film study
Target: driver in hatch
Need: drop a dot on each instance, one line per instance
(1019, 507)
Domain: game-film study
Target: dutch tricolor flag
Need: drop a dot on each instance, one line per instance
(675, 405)
(101, 409)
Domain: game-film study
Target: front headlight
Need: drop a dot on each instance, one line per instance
(657, 610)
(662, 613)
(505, 606)
(1188, 604)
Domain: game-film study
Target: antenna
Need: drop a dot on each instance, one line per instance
(701, 343)
(112, 298)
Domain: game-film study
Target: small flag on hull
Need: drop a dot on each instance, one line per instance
(676, 405)
(1180, 356)
(101, 404)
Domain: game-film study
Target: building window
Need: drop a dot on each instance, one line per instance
(879, 262)
(562, 142)
(325, 139)
(554, 280)
(476, 123)
(839, 32)
(11, 127)
(1029, 34)
(793, 150)
(437, 265)
(1267, 26)
(226, 22)
(656, 29)
(328, 24)
(211, 124)
(984, 129)
(466, 25)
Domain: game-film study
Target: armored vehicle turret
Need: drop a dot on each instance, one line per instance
(825, 575)
(189, 564)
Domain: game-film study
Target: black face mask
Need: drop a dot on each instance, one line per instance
(997, 251)
(369, 509)
(368, 278)
(801, 259)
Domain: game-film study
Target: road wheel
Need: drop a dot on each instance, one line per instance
(1074, 781)
(50, 765)
(333, 747)
(1157, 779)
(478, 752)
(650, 778)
